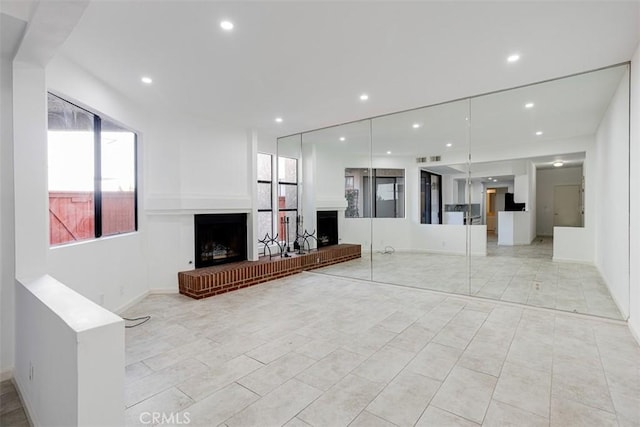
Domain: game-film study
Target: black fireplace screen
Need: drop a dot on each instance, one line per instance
(220, 238)
(327, 228)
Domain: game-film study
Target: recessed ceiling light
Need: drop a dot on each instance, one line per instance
(539, 133)
(558, 164)
(278, 119)
(416, 125)
(513, 58)
(495, 180)
(364, 97)
(490, 178)
(342, 138)
(146, 80)
(226, 25)
(449, 144)
(529, 105)
(388, 152)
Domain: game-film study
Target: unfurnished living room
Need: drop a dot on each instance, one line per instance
(320, 213)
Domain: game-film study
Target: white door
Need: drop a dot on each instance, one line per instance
(567, 211)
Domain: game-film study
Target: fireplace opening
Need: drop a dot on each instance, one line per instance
(327, 225)
(220, 239)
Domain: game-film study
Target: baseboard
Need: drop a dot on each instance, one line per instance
(131, 303)
(26, 404)
(634, 333)
(430, 251)
(162, 291)
(142, 296)
(624, 313)
(6, 374)
(574, 261)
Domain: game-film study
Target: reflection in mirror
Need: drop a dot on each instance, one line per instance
(527, 221)
(420, 248)
(387, 186)
(288, 192)
(336, 169)
(549, 160)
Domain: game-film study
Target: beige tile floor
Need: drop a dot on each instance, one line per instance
(522, 274)
(318, 350)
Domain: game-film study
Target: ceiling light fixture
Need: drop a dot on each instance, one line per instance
(146, 80)
(529, 105)
(539, 133)
(278, 119)
(226, 25)
(558, 164)
(416, 125)
(449, 144)
(490, 178)
(364, 97)
(342, 138)
(513, 58)
(388, 152)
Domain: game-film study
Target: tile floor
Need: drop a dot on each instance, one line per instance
(522, 274)
(317, 350)
(11, 412)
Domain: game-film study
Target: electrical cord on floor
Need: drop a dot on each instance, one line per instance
(388, 250)
(143, 318)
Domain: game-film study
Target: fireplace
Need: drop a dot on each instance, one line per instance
(220, 238)
(327, 226)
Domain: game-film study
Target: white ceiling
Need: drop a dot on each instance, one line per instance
(309, 61)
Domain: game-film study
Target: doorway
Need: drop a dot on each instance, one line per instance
(567, 211)
(430, 198)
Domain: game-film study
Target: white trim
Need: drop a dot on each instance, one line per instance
(6, 374)
(573, 261)
(25, 405)
(196, 203)
(163, 291)
(131, 303)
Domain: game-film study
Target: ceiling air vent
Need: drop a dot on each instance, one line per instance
(421, 160)
(435, 158)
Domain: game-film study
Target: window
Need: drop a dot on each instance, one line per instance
(386, 187)
(92, 174)
(265, 196)
(287, 199)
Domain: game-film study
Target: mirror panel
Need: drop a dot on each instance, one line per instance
(534, 171)
(289, 190)
(503, 196)
(336, 168)
(421, 245)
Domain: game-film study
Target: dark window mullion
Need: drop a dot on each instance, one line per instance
(135, 181)
(97, 174)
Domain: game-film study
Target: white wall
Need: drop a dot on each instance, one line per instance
(612, 192)
(572, 244)
(547, 179)
(113, 270)
(531, 206)
(186, 166)
(69, 367)
(11, 30)
(634, 182)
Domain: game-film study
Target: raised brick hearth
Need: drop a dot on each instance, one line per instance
(209, 281)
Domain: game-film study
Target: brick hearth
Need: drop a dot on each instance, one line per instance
(209, 281)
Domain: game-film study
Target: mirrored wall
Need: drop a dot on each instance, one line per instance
(519, 195)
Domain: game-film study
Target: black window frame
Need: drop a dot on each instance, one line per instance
(97, 171)
(370, 204)
(289, 184)
(262, 181)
